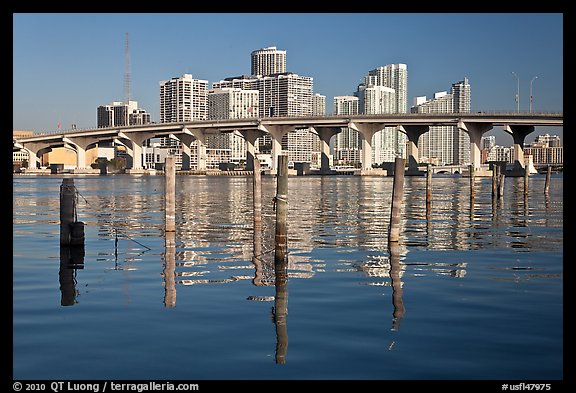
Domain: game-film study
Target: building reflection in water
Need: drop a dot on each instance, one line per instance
(71, 259)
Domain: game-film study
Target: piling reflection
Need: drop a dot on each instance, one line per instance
(396, 282)
(281, 309)
(71, 259)
(169, 270)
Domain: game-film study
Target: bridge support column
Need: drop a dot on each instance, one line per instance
(475, 131)
(137, 140)
(367, 131)
(325, 134)
(186, 141)
(187, 137)
(80, 144)
(250, 136)
(519, 133)
(413, 132)
(277, 133)
(32, 149)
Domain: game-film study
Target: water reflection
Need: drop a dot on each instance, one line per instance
(71, 259)
(216, 234)
(280, 312)
(396, 282)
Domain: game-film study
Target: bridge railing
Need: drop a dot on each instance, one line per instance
(330, 115)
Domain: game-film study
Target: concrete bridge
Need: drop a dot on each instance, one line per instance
(519, 125)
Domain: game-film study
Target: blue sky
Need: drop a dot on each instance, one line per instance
(66, 65)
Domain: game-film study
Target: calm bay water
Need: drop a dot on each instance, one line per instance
(468, 294)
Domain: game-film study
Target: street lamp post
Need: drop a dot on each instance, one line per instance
(517, 92)
(531, 92)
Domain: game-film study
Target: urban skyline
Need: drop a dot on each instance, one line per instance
(536, 50)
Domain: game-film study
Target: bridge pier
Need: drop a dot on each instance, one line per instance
(367, 131)
(519, 133)
(413, 132)
(325, 134)
(186, 140)
(137, 141)
(475, 131)
(251, 136)
(80, 144)
(277, 133)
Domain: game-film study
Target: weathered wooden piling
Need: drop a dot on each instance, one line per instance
(169, 270)
(257, 193)
(472, 178)
(547, 183)
(397, 197)
(526, 176)
(495, 179)
(257, 235)
(170, 193)
(428, 190)
(67, 210)
(501, 185)
(281, 201)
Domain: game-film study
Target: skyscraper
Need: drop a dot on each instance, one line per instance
(183, 99)
(121, 114)
(385, 90)
(231, 103)
(347, 143)
(268, 61)
(318, 105)
(447, 144)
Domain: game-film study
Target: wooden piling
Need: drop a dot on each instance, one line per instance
(428, 190)
(257, 194)
(170, 193)
(526, 176)
(257, 235)
(472, 175)
(67, 210)
(494, 179)
(169, 270)
(547, 183)
(397, 197)
(501, 185)
(281, 200)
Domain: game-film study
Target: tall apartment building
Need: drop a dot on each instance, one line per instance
(394, 76)
(268, 61)
(183, 99)
(347, 143)
(231, 103)
(285, 94)
(318, 105)
(446, 144)
(118, 114)
(384, 90)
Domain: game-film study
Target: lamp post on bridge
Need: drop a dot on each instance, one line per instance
(517, 92)
(531, 92)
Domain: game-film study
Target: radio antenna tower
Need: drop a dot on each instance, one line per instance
(126, 72)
